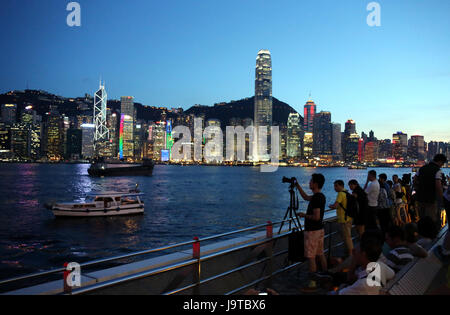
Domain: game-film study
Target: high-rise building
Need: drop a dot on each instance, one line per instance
(336, 141)
(308, 145)
(352, 150)
(417, 148)
(9, 113)
(158, 139)
(384, 149)
(322, 135)
(101, 135)
(308, 118)
(74, 144)
(294, 137)
(36, 140)
(54, 136)
(400, 146)
(350, 127)
(87, 141)
(113, 124)
(5, 138)
(126, 141)
(347, 143)
(371, 151)
(21, 140)
(263, 101)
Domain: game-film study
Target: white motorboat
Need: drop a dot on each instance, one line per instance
(101, 204)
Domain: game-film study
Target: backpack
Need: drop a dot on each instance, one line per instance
(352, 209)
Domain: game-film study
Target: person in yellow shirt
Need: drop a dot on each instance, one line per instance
(344, 221)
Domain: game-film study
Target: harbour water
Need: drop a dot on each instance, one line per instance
(181, 202)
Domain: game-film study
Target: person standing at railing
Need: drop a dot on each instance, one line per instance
(372, 188)
(429, 190)
(314, 228)
(384, 203)
(360, 219)
(344, 221)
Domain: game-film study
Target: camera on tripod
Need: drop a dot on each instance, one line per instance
(291, 181)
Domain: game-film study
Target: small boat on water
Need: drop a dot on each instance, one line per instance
(101, 204)
(357, 167)
(101, 169)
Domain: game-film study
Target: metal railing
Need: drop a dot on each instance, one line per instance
(196, 260)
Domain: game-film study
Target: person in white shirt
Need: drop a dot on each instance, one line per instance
(372, 274)
(372, 188)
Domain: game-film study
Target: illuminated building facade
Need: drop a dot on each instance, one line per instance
(400, 146)
(294, 137)
(21, 140)
(348, 142)
(371, 151)
(127, 127)
(336, 146)
(159, 139)
(101, 134)
(54, 136)
(113, 124)
(309, 113)
(9, 113)
(5, 138)
(308, 145)
(263, 100)
(417, 148)
(352, 152)
(322, 135)
(87, 141)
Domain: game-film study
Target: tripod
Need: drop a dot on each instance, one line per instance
(291, 210)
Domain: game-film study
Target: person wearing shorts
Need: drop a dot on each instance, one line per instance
(314, 228)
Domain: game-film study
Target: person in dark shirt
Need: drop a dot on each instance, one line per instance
(314, 228)
(360, 220)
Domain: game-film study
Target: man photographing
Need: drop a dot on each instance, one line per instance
(314, 228)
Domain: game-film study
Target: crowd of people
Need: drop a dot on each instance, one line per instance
(396, 220)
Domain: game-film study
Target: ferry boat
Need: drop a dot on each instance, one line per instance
(357, 167)
(101, 204)
(101, 169)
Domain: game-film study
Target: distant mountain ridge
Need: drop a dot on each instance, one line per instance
(241, 109)
(244, 108)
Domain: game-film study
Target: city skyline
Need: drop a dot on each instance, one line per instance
(396, 72)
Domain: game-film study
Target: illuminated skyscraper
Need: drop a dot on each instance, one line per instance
(294, 137)
(87, 141)
(417, 148)
(349, 141)
(263, 100)
(400, 145)
(322, 135)
(21, 140)
(54, 136)
(101, 135)
(127, 127)
(308, 118)
(336, 141)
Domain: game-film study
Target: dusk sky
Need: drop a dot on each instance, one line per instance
(391, 78)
